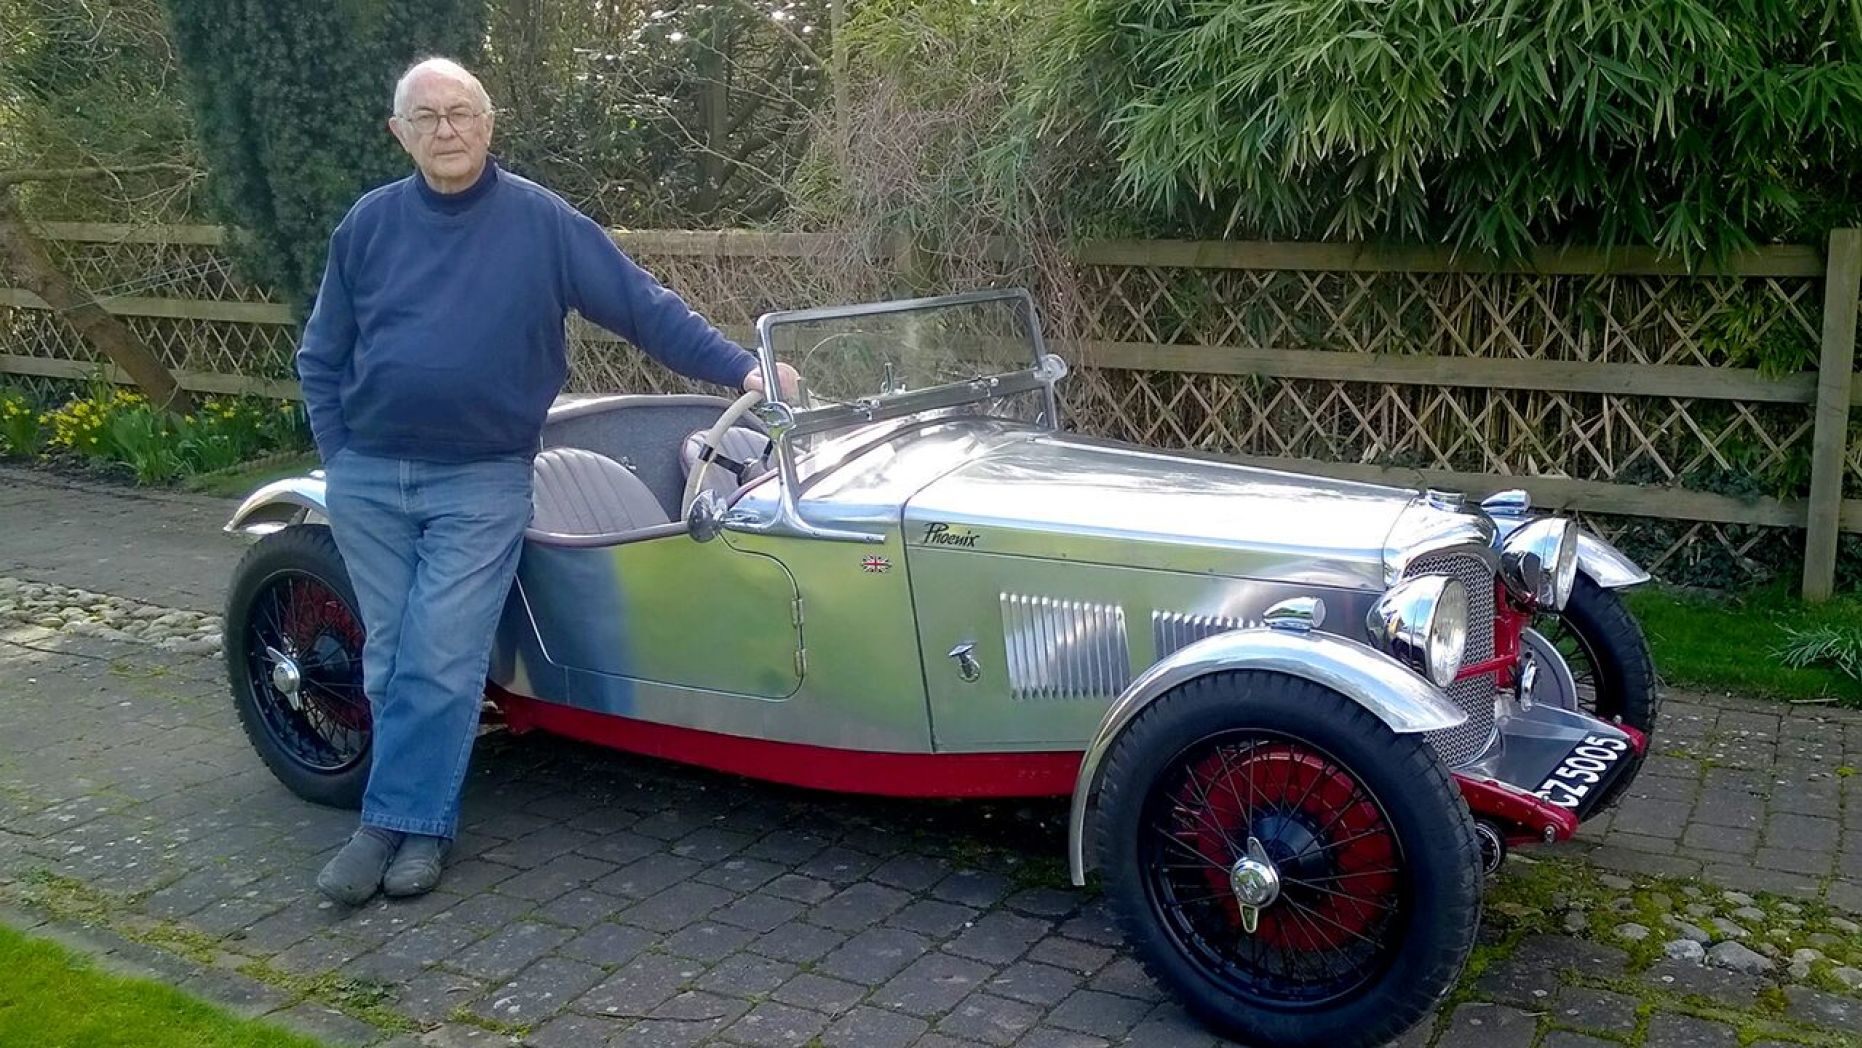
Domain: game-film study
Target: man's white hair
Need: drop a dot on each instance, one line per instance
(445, 67)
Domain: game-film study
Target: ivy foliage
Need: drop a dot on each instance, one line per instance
(291, 103)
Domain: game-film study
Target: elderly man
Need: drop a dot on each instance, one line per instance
(433, 353)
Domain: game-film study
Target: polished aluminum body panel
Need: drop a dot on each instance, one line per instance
(1088, 501)
(281, 503)
(1398, 696)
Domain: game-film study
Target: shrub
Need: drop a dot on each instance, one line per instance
(1696, 127)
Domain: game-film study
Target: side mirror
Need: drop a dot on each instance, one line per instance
(705, 517)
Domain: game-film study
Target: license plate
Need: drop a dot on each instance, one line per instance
(1588, 764)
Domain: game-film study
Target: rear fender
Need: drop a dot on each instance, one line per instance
(1602, 563)
(1397, 695)
(294, 500)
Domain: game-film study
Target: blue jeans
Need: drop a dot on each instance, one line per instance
(431, 549)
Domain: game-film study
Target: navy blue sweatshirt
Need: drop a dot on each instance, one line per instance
(438, 332)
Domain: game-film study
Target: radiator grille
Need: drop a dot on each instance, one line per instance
(1466, 741)
(1062, 649)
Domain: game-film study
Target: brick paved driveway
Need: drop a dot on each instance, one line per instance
(598, 898)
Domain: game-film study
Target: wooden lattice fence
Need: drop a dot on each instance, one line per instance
(1700, 420)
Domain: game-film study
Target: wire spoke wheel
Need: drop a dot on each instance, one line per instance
(1580, 657)
(303, 656)
(1335, 921)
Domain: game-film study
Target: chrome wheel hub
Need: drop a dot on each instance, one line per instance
(1256, 883)
(286, 676)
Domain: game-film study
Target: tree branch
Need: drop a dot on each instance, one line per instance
(9, 179)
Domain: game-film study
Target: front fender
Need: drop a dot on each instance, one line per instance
(1601, 562)
(293, 500)
(1397, 695)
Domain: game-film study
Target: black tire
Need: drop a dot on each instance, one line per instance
(291, 586)
(1609, 657)
(1416, 930)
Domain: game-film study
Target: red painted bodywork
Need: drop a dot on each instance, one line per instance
(1523, 816)
(798, 764)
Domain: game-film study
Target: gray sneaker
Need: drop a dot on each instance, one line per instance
(356, 871)
(416, 866)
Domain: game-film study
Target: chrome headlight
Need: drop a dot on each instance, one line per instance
(1539, 562)
(1423, 623)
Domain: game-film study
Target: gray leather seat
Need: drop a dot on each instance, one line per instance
(741, 460)
(580, 493)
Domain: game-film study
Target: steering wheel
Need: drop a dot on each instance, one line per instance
(712, 441)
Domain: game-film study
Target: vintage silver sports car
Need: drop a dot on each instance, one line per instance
(1296, 717)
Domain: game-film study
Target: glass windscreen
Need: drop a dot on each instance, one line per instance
(865, 356)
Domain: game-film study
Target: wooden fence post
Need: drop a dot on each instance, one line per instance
(1830, 442)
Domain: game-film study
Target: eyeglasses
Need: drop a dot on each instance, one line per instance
(426, 121)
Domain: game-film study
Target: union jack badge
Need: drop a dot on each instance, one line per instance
(876, 565)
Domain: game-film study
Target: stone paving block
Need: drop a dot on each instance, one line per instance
(797, 888)
(703, 1010)
(933, 918)
(787, 847)
(1688, 977)
(837, 865)
(758, 911)
(539, 991)
(1652, 818)
(1792, 860)
(972, 888)
(236, 993)
(1050, 903)
(1667, 1030)
(820, 993)
(1084, 958)
(1488, 1026)
(1594, 1009)
(711, 844)
(475, 875)
(1099, 1014)
(999, 937)
(1702, 836)
(562, 874)
(747, 975)
(932, 984)
(609, 944)
(873, 1028)
(993, 1020)
(327, 1025)
(1169, 1026)
(1055, 1037)
(798, 941)
(676, 907)
(774, 1025)
(1033, 983)
(540, 846)
(875, 955)
(1127, 978)
(639, 986)
(1567, 1039)
(1095, 924)
(739, 874)
(504, 952)
(575, 1031)
(435, 994)
(1787, 830)
(911, 871)
(859, 906)
(319, 953)
(707, 940)
(620, 848)
(581, 909)
(1824, 1009)
(649, 876)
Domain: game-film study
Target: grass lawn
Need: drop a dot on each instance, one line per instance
(53, 998)
(1731, 643)
(239, 481)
